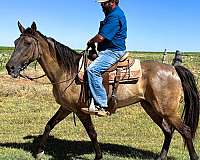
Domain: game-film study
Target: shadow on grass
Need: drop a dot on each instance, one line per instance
(66, 149)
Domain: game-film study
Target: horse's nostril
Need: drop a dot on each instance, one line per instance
(12, 68)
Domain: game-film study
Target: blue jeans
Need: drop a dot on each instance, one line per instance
(104, 61)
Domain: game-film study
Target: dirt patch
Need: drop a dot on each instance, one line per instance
(23, 87)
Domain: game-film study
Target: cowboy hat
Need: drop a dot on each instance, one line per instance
(101, 1)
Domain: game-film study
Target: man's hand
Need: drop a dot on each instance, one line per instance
(96, 39)
(90, 44)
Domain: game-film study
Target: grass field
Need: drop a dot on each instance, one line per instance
(25, 108)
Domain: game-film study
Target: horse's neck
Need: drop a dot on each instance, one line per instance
(51, 67)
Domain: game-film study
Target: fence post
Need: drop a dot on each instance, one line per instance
(164, 56)
(177, 59)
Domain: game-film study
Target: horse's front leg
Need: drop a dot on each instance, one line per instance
(61, 114)
(87, 123)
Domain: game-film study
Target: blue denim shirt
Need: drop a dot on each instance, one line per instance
(114, 29)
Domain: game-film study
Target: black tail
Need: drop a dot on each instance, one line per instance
(191, 97)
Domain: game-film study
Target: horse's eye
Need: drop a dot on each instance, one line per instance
(27, 43)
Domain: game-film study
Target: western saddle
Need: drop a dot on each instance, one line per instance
(125, 71)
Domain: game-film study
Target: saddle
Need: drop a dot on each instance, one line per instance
(125, 71)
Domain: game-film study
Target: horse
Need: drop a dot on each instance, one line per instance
(159, 90)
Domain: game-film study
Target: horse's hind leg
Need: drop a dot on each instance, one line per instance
(166, 128)
(59, 116)
(87, 123)
(185, 131)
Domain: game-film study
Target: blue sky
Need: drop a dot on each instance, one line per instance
(153, 25)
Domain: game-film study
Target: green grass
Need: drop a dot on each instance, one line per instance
(6, 48)
(4, 55)
(25, 108)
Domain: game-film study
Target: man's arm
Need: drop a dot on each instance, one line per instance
(98, 38)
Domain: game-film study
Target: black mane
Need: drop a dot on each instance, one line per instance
(66, 57)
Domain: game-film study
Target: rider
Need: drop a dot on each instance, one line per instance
(111, 46)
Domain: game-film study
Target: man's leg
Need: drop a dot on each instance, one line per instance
(94, 71)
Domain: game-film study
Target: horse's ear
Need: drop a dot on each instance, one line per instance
(33, 26)
(21, 28)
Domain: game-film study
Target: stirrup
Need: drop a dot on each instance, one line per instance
(97, 112)
(94, 110)
(92, 107)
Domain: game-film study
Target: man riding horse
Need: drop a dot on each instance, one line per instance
(158, 90)
(111, 46)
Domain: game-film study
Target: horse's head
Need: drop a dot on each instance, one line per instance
(26, 50)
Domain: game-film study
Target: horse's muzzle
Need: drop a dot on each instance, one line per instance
(12, 70)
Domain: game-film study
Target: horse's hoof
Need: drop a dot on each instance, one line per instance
(39, 155)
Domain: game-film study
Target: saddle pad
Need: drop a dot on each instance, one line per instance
(131, 72)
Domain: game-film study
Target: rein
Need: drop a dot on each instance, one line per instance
(30, 78)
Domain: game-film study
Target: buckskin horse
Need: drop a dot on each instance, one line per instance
(159, 90)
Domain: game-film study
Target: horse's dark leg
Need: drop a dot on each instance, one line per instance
(167, 130)
(59, 116)
(185, 131)
(87, 123)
